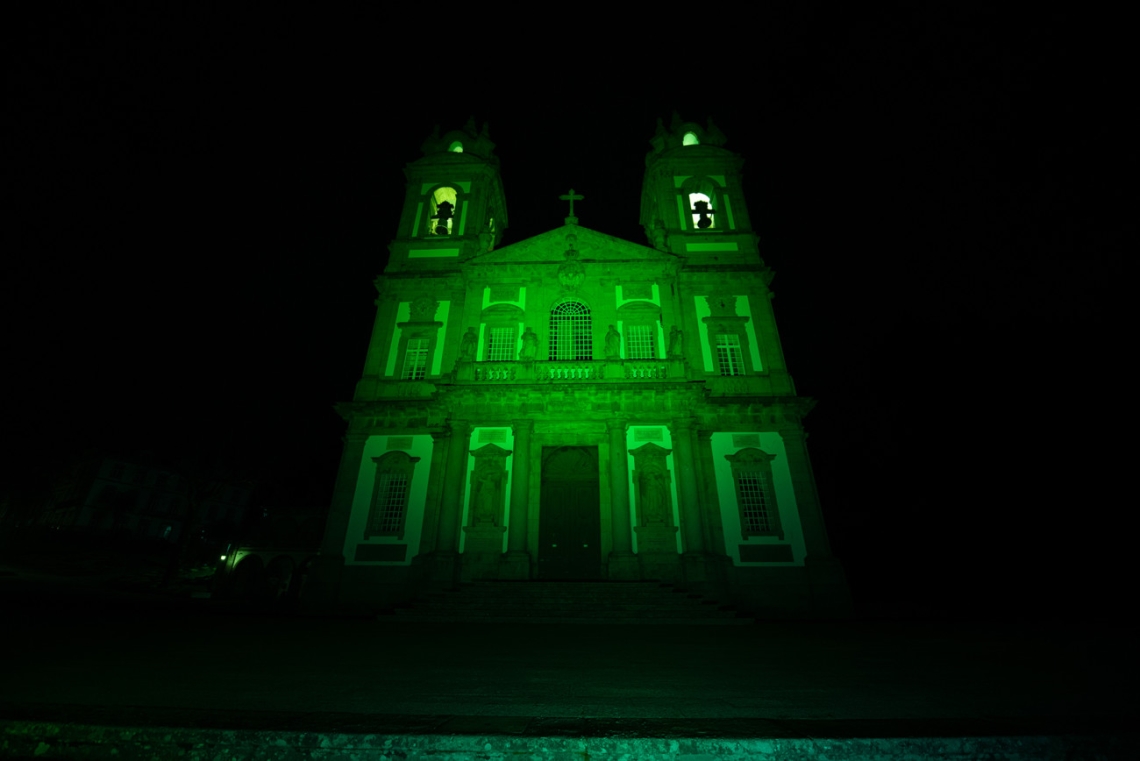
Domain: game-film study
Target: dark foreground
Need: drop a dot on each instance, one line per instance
(95, 674)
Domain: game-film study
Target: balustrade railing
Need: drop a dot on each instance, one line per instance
(496, 371)
(558, 371)
(645, 370)
(571, 371)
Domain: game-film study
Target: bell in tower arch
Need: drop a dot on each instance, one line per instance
(442, 215)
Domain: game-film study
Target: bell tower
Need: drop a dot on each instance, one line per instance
(454, 206)
(692, 202)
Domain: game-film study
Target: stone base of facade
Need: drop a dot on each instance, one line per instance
(661, 566)
(479, 566)
(623, 566)
(441, 569)
(515, 566)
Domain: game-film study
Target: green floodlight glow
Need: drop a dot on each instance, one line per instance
(690, 138)
(456, 147)
(223, 557)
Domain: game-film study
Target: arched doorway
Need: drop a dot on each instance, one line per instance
(569, 520)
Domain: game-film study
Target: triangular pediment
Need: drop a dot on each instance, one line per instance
(591, 246)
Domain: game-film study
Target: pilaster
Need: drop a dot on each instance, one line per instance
(451, 504)
(623, 564)
(516, 564)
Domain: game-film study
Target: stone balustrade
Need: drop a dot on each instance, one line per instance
(571, 371)
(498, 371)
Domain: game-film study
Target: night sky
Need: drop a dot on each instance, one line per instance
(203, 201)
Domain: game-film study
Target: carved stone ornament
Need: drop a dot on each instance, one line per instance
(423, 308)
(571, 273)
(721, 305)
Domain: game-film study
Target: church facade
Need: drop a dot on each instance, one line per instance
(574, 405)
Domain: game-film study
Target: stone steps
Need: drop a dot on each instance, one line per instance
(570, 602)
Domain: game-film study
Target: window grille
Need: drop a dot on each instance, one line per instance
(728, 355)
(415, 359)
(570, 335)
(755, 501)
(639, 342)
(502, 345)
(391, 498)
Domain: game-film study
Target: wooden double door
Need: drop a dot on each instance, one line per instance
(569, 522)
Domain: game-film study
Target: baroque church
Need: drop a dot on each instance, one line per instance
(574, 405)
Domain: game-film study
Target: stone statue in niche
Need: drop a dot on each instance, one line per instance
(654, 493)
(613, 343)
(467, 346)
(529, 348)
(676, 346)
(487, 490)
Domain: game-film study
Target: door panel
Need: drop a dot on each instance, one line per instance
(569, 514)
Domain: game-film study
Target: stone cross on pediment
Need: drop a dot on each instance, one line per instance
(571, 197)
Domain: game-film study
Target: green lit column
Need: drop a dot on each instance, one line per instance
(713, 526)
(451, 503)
(829, 592)
(516, 563)
(687, 485)
(322, 586)
(623, 564)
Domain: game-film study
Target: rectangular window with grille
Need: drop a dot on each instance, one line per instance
(728, 356)
(415, 359)
(755, 501)
(502, 345)
(639, 342)
(392, 497)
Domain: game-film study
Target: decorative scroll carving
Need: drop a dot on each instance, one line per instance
(423, 308)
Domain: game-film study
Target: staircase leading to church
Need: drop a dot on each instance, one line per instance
(567, 602)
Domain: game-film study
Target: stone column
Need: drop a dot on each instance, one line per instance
(322, 585)
(694, 560)
(623, 564)
(692, 532)
(706, 472)
(516, 563)
(451, 502)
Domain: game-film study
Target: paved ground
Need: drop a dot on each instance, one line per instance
(85, 654)
(70, 647)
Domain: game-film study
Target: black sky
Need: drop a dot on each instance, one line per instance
(203, 201)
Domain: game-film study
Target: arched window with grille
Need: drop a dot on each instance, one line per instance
(570, 335)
